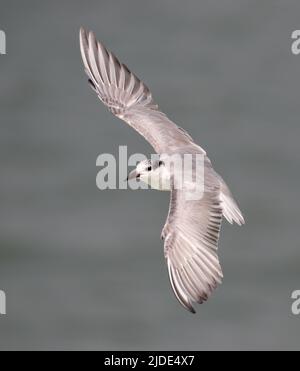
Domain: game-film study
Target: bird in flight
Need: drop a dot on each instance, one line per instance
(192, 229)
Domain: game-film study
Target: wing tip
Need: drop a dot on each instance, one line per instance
(183, 298)
(81, 30)
(180, 296)
(82, 35)
(192, 310)
(86, 38)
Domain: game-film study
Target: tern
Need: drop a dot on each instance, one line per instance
(192, 229)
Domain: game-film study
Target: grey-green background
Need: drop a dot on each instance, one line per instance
(83, 268)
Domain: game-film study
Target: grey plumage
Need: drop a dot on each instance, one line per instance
(129, 98)
(192, 228)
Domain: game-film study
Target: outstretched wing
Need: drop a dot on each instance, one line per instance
(129, 98)
(191, 237)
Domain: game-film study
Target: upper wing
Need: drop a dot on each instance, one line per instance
(129, 98)
(191, 236)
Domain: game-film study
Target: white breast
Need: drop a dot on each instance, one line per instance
(158, 179)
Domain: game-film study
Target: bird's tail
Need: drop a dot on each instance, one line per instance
(231, 210)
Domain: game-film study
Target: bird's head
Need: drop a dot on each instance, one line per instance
(152, 172)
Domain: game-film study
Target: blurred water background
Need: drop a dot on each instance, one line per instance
(83, 268)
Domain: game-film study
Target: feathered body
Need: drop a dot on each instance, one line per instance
(192, 229)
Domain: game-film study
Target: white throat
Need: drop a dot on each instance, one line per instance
(158, 179)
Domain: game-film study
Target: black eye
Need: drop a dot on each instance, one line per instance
(160, 163)
(149, 168)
